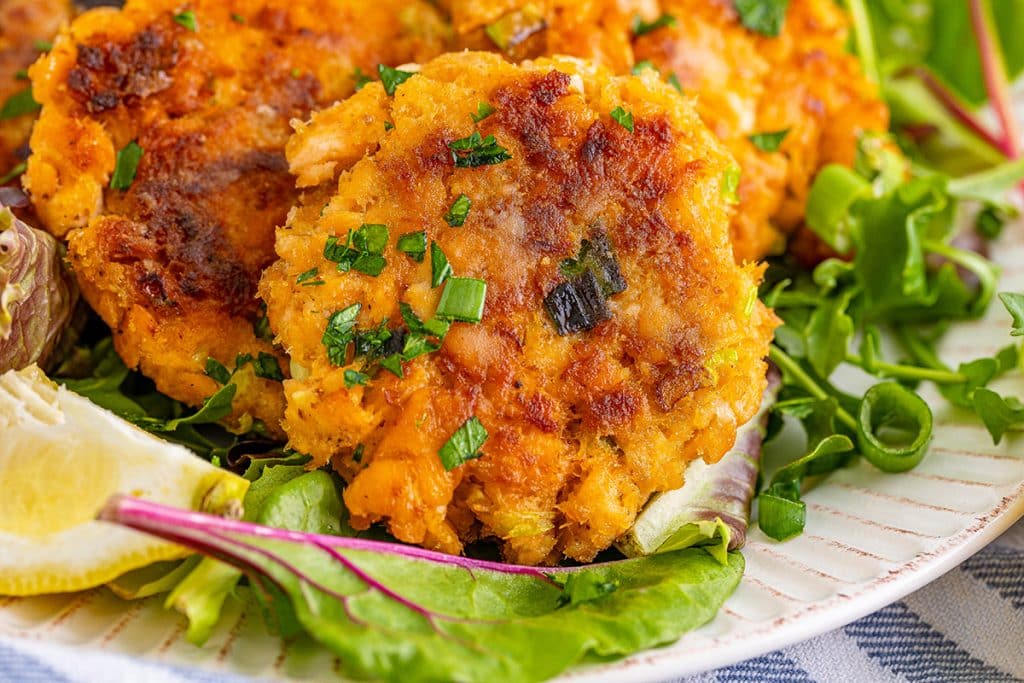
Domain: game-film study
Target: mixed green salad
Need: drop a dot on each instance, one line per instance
(910, 227)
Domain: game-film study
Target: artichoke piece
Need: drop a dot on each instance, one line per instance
(38, 297)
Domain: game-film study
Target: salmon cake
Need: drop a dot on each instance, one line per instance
(26, 29)
(785, 105)
(159, 155)
(510, 302)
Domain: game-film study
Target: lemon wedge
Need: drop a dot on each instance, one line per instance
(61, 458)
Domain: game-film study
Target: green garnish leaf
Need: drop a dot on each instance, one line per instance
(217, 371)
(19, 104)
(237, 18)
(459, 211)
(393, 364)
(473, 151)
(640, 66)
(1014, 304)
(894, 427)
(483, 110)
(21, 75)
(764, 16)
(187, 19)
(340, 333)
(267, 367)
(362, 250)
(464, 445)
(361, 78)
(463, 300)
(641, 27)
(999, 414)
(413, 245)
(769, 142)
(371, 238)
(13, 173)
(126, 166)
(731, 184)
(440, 269)
(355, 378)
(309, 278)
(392, 78)
(781, 514)
(673, 80)
(42, 45)
(623, 118)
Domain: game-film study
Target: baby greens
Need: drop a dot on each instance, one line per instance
(378, 607)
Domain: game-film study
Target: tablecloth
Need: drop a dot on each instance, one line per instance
(966, 627)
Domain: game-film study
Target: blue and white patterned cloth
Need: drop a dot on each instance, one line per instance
(966, 627)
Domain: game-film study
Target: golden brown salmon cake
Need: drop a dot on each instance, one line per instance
(205, 91)
(26, 28)
(744, 83)
(581, 197)
(802, 81)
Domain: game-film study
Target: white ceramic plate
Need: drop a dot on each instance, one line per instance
(871, 539)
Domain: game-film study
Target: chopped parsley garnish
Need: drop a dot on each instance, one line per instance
(483, 110)
(640, 27)
(475, 150)
(21, 75)
(340, 333)
(463, 300)
(392, 78)
(310, 278)
(440, 269)
(42, 45)
(19, 104)
(296, 72)
(769, 142)
(356, 378)
(640, 66)
(459, 211)
(623, 118)
(237, 18)
(673, 80)
(261, 326)
(730, 184)
(126, 166)
(267, 367)
(413, 245)
(362, 250)
(357, 454)
(764, 16)
(388, 126)
(464, 445)
(217, 371)
(187, 19)
(423, 337)
(13, 173)
(361, 79)
(393, 364)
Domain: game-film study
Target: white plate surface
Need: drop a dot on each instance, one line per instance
(871, 539)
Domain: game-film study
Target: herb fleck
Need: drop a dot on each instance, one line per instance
(126, 166)
(475, 150)
(640, 27)
(464, 445)
(459, 211)
(392, 78)
(623, 118)
(769, 142)
(187, 19)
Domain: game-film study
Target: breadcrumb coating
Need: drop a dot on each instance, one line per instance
(583, 428)
(207, 90)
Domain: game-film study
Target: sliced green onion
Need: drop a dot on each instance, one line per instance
(894, 427)
(440, 269)
(413, 245)
(464, 445)
(126, 166)
(371, 237)
(459, 211)
(463, 300)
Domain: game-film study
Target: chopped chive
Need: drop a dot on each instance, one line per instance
(483, 110)
(126, 166)
(641, 27)
(362, 250)
(463, 300)
(475, 150)
(267, 367)
(187, 19)
(355, 378)
(19, 104)
(464, 445)
(730, 184)
(13, 173)
(361, 79)
(623, 118)
(640, 66)
(440, 269)
(216, 371)
(392, 78)
(769, 142)
(413, 245)
(307, 276)
(459, 211)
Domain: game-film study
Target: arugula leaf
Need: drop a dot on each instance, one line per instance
(378, 608)
(1014, 304)
(763, 16)
(1000, 414)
